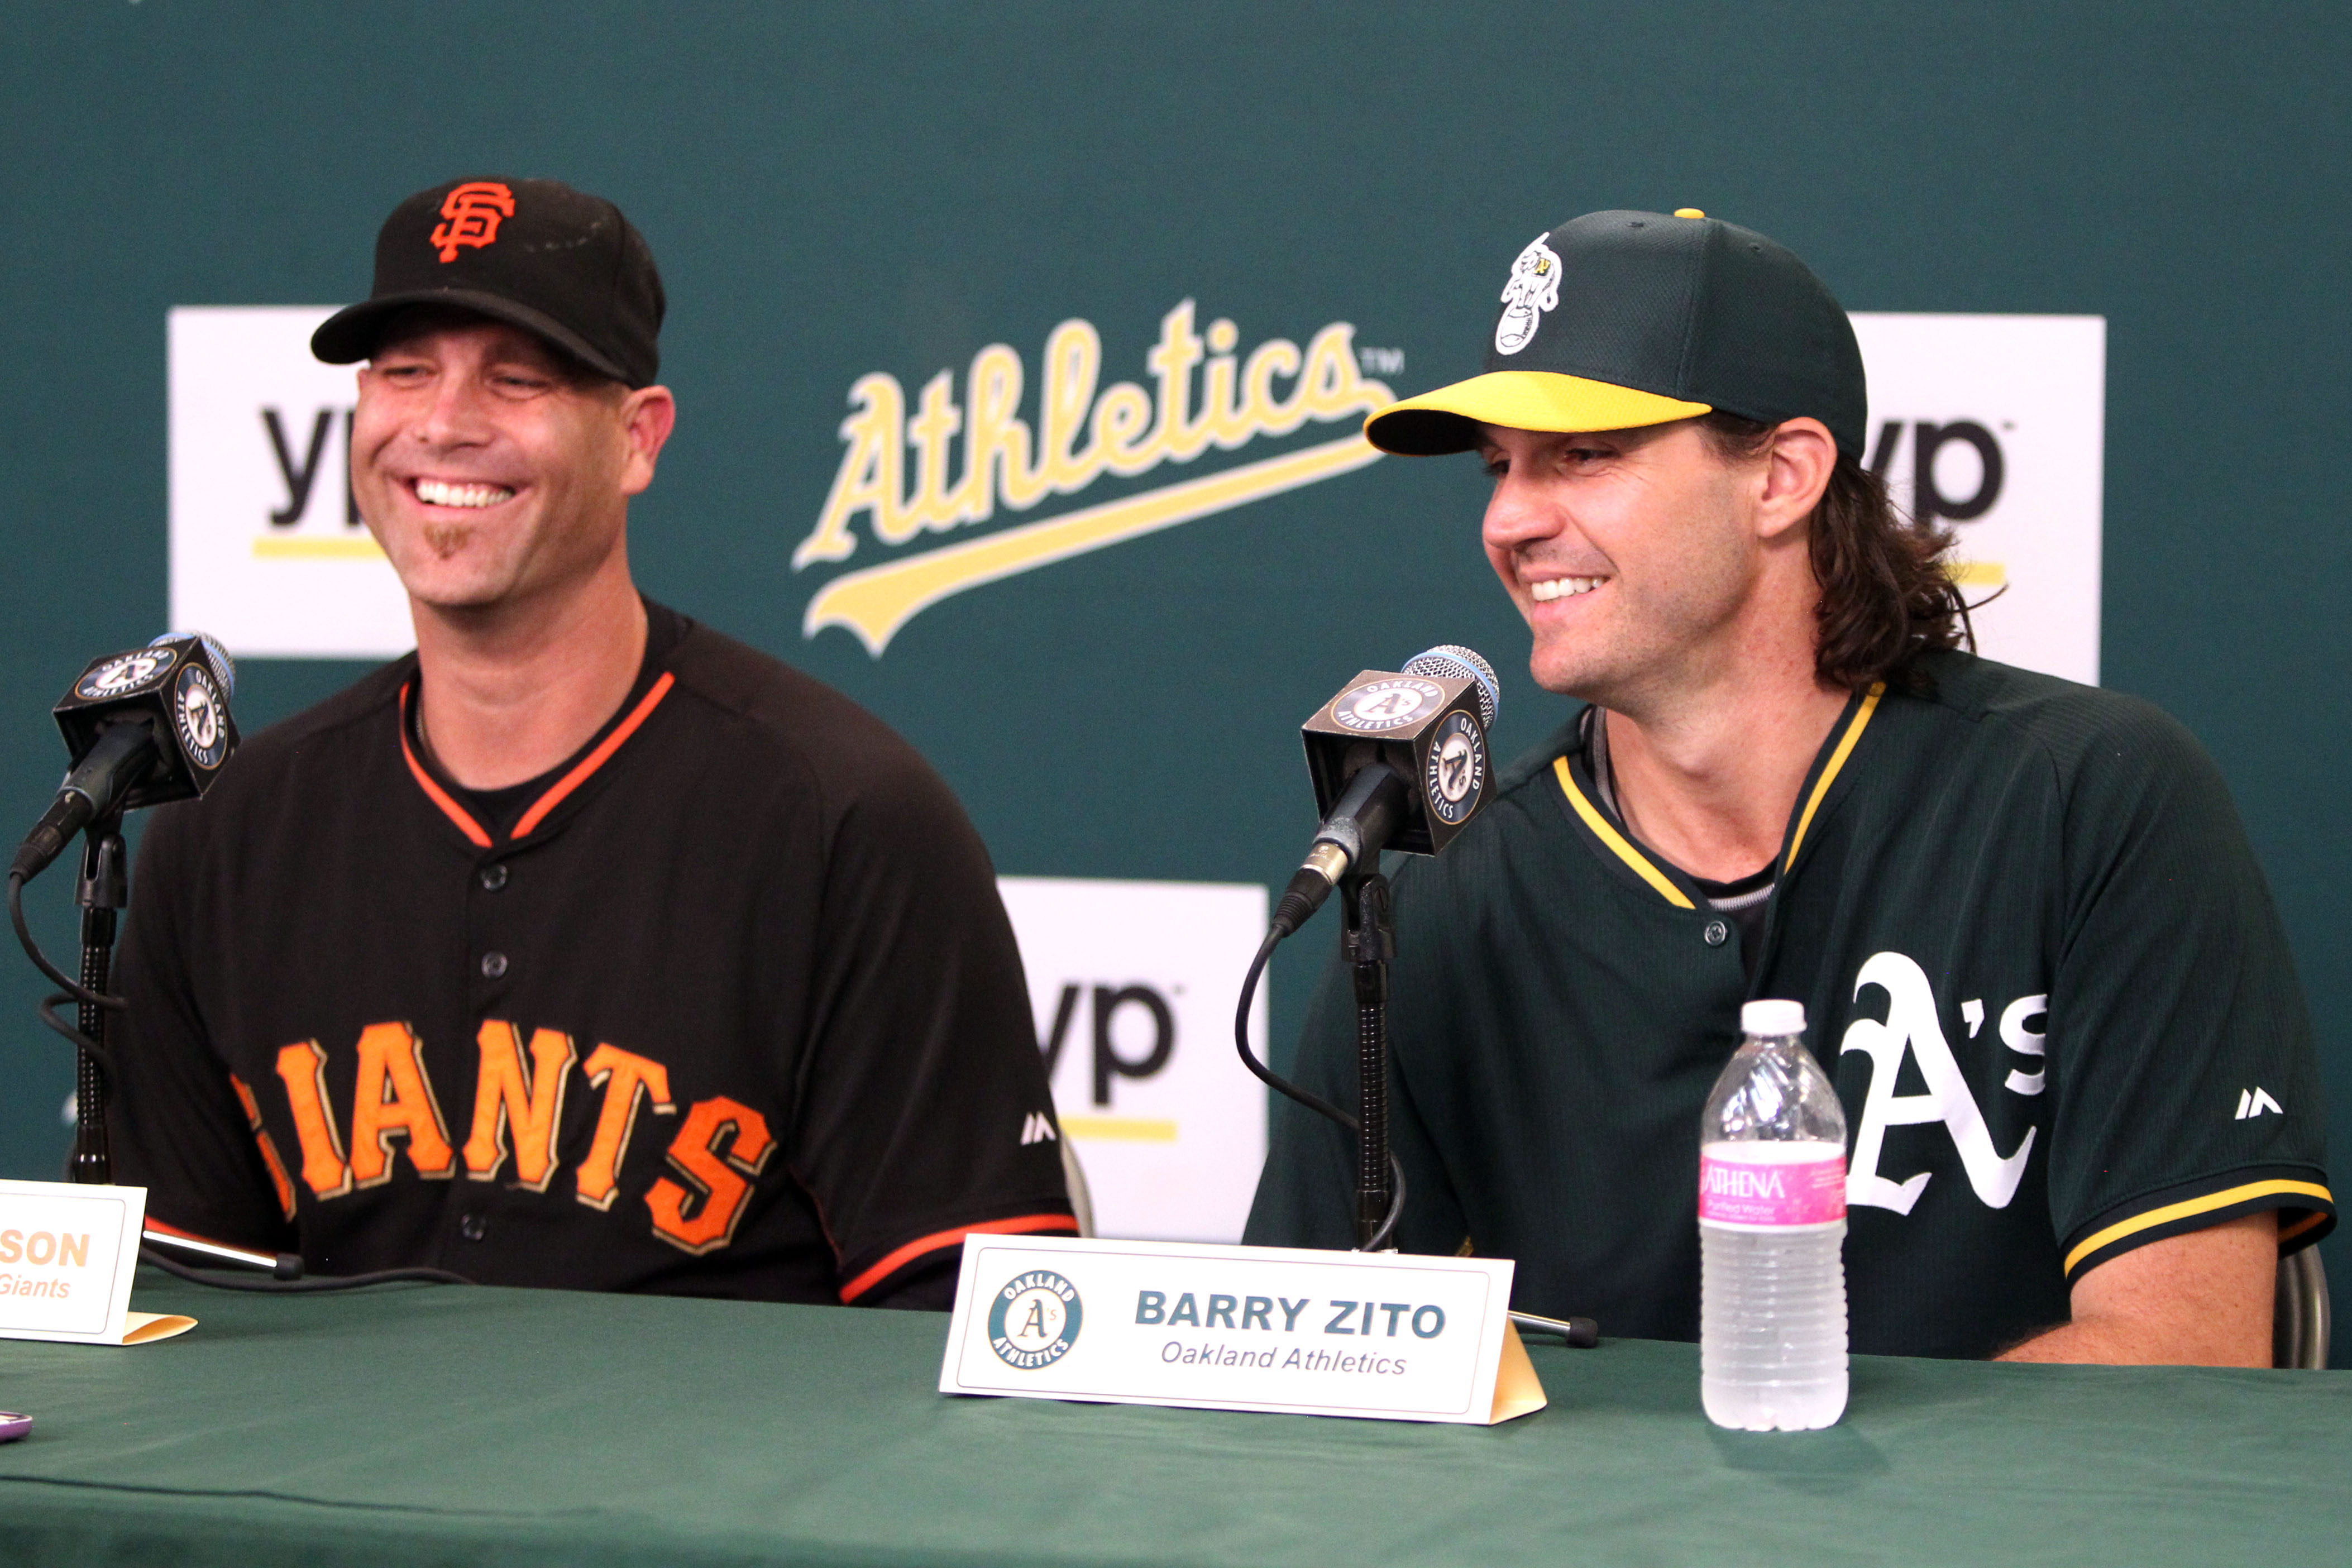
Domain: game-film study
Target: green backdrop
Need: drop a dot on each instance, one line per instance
(837, 189)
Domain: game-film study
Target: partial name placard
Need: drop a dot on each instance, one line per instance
(67, 1253)
(1376, 1335)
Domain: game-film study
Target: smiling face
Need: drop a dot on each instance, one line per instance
(490, 473)
(1633, 554)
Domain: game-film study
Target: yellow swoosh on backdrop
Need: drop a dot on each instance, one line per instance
(876, 601)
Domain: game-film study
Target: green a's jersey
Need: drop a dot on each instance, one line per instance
(2037, 960)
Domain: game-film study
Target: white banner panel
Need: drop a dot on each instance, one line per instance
(267, 553)
(1996, 427)
(1133, 986)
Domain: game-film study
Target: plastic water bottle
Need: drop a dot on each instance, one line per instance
(1772, 1232)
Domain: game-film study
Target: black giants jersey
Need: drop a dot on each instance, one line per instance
(727, 1007)
(2039, 963)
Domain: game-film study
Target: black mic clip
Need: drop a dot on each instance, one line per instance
(144, 727)
(1399, 762)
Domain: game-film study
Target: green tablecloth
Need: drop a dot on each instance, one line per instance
(425, 1425)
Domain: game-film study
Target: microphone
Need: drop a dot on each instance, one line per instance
(1399, 762)
(144, 727)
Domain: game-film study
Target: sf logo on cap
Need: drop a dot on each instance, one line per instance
(1532, 288)
(473, 211)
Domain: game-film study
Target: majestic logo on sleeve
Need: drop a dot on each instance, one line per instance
(1532, 288)
(1034, 1321)
(473, 212)
(939, 465)
(1912, 1029)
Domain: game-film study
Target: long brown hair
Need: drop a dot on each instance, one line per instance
(1886, 593)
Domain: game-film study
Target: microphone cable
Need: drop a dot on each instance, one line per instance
(1314, 1103)
(300, 1285)
(74, 991)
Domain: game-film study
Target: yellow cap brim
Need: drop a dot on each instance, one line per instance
(1447, 419)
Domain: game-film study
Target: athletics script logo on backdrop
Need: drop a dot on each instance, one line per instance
(895, 475)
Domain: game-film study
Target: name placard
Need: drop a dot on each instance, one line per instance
(1239, 1328)
(67, 1253)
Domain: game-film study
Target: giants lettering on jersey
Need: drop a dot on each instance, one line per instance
(519, 1101)
(1911, 1028)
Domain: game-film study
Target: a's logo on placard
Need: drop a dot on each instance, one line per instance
(474, 211)
(1457, 769)
(1380, 705)
(1034, 1319)
(128, 673)
(1532, 288)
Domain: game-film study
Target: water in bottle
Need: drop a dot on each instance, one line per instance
(1771, 1229)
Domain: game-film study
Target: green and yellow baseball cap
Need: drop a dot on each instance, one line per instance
(1618, 319)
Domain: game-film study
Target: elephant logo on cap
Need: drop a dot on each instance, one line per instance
(1532, 288)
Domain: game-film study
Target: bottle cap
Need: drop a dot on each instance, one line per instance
(1772, 1019)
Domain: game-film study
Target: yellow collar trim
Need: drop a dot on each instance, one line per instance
(1616, 840)
(2193, 1206)
(1828, 774)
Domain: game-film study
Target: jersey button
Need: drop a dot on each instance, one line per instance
(494, 965)
(494, 877)
(1715, 934)
(473, 1227)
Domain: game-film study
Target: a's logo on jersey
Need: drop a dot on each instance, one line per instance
(1457, 769)
(2254, 1101)
(1912, 1029)
(1532, 288)
(196, 713)
(474, 211)
(128, 673)
(1034, 1321)
(1390, 704)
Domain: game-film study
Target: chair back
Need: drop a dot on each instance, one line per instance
(2299, 1323)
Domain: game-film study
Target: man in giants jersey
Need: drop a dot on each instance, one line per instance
(2042, 967)
(583, 947)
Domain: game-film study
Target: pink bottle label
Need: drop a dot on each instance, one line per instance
(1738, 1192)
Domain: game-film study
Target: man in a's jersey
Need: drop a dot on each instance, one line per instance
(585, 946)
(2039, 962)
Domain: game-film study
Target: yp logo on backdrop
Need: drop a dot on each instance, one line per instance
(1132, 984)
(268, 553)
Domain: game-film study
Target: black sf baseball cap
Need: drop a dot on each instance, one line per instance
(533, 253)
(1618, 319)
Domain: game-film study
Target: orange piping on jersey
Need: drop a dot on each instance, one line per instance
(434, 792)
(1026, 1224)
(2288, 1233)
(2188, 1207)
(1616, 840)
(596, 759)
(1830, 774)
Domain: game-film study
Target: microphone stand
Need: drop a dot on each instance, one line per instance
(1370, 943)
(104, 888)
